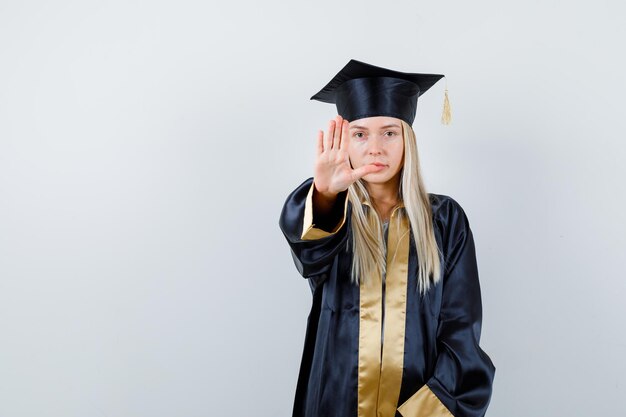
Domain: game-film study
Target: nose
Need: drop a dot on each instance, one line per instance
(375, 146)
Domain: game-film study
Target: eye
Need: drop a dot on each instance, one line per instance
(358, 133)
(390, 133)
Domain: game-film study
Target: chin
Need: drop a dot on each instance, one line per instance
(376, 178)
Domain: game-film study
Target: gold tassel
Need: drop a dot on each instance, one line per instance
(446, 116)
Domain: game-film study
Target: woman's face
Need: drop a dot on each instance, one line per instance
(377, 140)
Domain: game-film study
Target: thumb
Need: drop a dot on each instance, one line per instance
(364, 170)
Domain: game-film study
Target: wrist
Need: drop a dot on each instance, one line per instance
(323, 201)
(325, 192)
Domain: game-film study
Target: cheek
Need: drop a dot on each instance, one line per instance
(399, 154)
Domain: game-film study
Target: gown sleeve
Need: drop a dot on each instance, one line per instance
(314, 241)
(461, 385)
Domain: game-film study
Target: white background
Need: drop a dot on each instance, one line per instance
(147, 148)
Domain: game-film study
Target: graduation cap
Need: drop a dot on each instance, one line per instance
(363, 90)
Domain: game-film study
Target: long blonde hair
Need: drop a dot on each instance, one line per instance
(368, 242)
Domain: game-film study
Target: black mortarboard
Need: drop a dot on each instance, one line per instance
(363, 90)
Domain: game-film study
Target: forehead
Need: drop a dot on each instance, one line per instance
(376, 122)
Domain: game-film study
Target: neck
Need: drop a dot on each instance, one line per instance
(385, 194)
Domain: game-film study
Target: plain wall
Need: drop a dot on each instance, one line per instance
(147, 148)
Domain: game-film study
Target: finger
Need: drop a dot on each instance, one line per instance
(320, 142)
(337, 136)
(345, 135)
(364, 170)
(328, 139)
(340, 127)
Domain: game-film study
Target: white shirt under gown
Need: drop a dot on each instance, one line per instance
(385, 233)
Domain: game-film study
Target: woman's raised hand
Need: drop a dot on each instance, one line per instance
(333, 173)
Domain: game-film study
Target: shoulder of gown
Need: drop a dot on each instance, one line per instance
(448, 213)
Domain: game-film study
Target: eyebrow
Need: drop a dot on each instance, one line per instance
(383, 127)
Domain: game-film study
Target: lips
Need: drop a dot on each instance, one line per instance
(378, 164)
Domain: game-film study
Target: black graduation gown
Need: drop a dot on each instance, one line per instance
(430, 363)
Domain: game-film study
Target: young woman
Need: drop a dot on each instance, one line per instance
(395, 324)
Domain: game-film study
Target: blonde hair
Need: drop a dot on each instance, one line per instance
(368, 242)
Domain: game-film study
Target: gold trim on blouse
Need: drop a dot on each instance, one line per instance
(309, 230)
(424, 403)
(380, 368)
